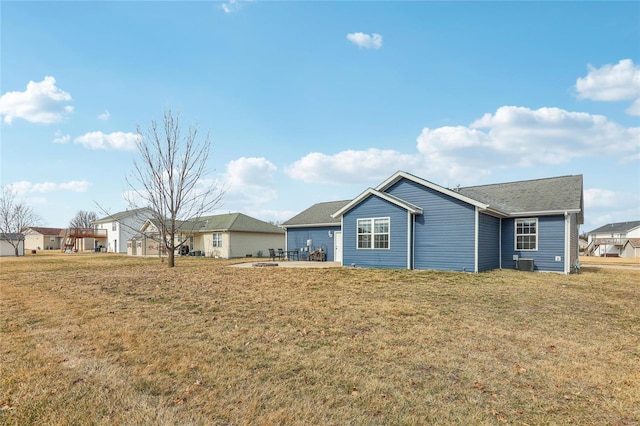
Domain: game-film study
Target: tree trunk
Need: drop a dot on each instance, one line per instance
(172, 258)
(16, 249)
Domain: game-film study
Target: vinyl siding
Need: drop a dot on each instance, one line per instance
(550, 244)
(243, 243)
(444, 233)
(393, 257)
(319, 236)
(488, 243)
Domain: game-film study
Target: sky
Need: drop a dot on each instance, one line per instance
(314, 101)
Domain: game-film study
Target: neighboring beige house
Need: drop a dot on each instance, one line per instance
(40, 238)
(121, 227)
(631, 248)
(612, 239)
(225, 236)
(7, 249)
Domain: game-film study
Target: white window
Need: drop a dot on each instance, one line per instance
(526, 234)
(217, 239)
(373, 233)
(113, 226)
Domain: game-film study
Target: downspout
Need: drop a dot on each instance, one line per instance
(567, 242)
(475, 248)
(342, 231)
(413, 245)
(408, 239)
(500, 244)
(286, 240)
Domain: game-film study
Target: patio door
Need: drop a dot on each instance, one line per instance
(337, 246)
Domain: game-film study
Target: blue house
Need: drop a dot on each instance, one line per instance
(408, 222)
(315, 228)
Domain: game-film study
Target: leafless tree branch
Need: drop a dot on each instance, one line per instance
(15, 216)
(167, 175)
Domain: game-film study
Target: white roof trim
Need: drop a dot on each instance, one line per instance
(311, 225)
(411, 208)
(543, 213)
(400, 174)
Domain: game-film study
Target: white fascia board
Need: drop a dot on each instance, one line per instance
(311, 225)
(543, 213)
(494, 212)
(352, 203)
(145, 225)
(399, 175)
(370, 191)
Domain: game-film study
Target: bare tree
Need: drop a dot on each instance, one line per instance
(168, 179)
(83, 219)
(15, 216)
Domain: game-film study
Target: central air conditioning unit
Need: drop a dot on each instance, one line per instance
(526, 264)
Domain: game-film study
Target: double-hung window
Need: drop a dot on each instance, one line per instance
(526, 234)
(217, 239)
(373, 233)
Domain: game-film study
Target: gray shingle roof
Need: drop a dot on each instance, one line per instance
(538, 195)
(318, 214)
(11, 236)
(617, 227)
(237, 222)
(233, 222)
(48, 231)
(120, 215)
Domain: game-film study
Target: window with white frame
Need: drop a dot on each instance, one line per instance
(217, 239)
(527, 234)
(373, 233)
(113, 226)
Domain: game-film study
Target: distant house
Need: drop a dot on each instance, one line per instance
(408, 222)
(7, 243)
(631, 248)
(121, 227)
(612, 238)
(225, 236)
(315, 228)
(40, 238)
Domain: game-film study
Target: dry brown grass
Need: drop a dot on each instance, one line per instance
(102, 339)
(596, 260)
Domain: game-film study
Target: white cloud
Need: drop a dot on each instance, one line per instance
(230, 6)
(366, 41)
(25, 187)
(368, 166)
(604, 206)
(511, 137)
(104, 116)
(250, 171)
(60, 138)
(250, 181)
(604, 198)
(634, 108)
(116, 140)
(42, 102)
(617, 82)
(553, 135)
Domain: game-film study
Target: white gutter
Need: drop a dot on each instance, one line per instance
(311, 225)
(543, 213)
